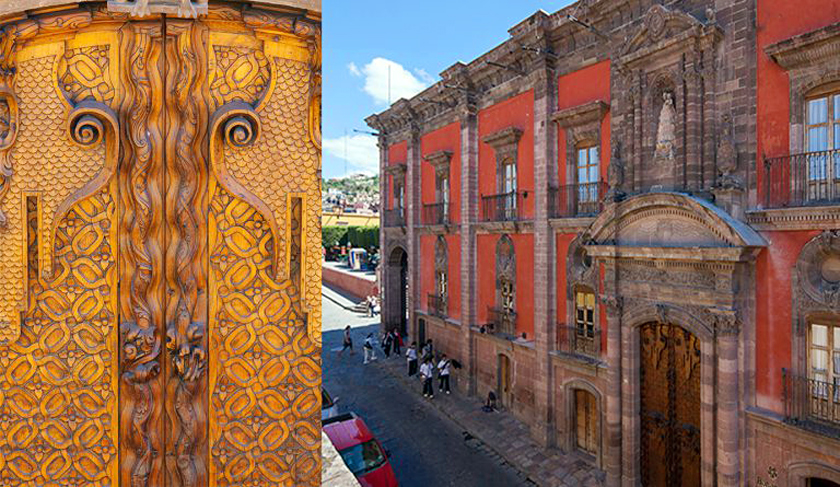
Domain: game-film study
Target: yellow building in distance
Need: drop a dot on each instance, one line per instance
(339, 218)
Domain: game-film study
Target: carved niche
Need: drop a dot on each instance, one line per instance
(818, 274)
(667, 67)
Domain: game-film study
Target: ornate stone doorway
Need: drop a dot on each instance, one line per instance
(670, 406)
(155, 266)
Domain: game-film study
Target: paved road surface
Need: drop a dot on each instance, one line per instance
(428, 449)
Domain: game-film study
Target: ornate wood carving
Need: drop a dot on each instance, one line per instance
(670, 406)
(142, 257)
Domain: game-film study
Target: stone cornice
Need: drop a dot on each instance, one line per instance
(802, 218)
(806, 50)
(705, 255)
(581, 115)
(396, 170)
(503, 138)
(439, 160)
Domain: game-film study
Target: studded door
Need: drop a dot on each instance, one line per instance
(670, 406)
(159, 189)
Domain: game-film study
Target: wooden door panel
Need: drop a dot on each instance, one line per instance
(202, 367)
(670, 406)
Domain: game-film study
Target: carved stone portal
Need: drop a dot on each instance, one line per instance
(177, 158)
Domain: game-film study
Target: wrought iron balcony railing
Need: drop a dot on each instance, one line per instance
(394, 218)
(436, 214)
(574, 200)
(505, 207)
(436, 304)
(812, 404)
(501, 321)
(811, 178)
(583, 341)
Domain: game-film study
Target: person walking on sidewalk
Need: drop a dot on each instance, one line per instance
(427, 372)
(443, 374)
(411, 355)
(387, 340)
(370, 354)
(398, 341)
(428, 350)
(347, 342)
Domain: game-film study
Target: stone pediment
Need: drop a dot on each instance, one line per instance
(663, 28)
(670, 220)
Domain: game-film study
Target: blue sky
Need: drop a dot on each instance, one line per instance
(417, 39)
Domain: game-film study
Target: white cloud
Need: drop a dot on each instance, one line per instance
(403, 83)
(361, 151)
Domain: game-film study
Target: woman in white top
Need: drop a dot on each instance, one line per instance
(411, 355)
(426, 373)
(443, 373)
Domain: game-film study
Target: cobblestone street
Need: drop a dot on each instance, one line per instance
(427, 448)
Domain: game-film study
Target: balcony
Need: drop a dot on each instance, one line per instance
(812, 178)
(582, 342)
(501, 321)
(577, 200)
(505, 207)
(436, 214)
(436, 304)
(393, 218)
(812, 404)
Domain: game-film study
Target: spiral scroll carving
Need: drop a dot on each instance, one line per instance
(86, 130)
(241, 130)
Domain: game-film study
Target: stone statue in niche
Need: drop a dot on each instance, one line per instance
(666, 132)
(615, 174)
(727, 157)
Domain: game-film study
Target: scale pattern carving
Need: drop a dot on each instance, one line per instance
(41, 143)
(285, 139)
(58, 420)
(264, 406)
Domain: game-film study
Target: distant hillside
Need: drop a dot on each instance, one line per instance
(354, 185)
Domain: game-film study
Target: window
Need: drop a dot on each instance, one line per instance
(364, 457)
(400, 200)
(443, 197)
(508, 298)
(822, 134)
(587, 174)
(585, 314)
(824, 360)
(508, 188)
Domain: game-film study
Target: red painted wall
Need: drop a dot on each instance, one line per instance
(446, 138)
(397, 154)
(517, 111)
(586, 85)
(523, 245)
(773, 313)
(777, 21)
(427, 272)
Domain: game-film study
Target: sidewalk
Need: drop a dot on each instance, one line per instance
(506, 436)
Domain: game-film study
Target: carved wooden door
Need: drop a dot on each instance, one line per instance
(586, 422)
(159, 187)
(670, 406)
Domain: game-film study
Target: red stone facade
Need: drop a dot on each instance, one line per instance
(638, 246)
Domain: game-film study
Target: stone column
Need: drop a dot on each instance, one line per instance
(468, 216)
(385, 270)
(545, 298)
(412, 194)
(612, 429)
(728, 426)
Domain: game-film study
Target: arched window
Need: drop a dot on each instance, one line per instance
(503, 315)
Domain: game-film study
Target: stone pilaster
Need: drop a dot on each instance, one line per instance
(412, 194)
(728, 426)
(469, 215)
(545, 296)
(385, 270)
(612, 416)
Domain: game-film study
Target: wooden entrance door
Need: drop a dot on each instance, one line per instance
(164, 174)
(670, 406)
(586, 422)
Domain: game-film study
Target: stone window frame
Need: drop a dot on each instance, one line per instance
(442, 268)
(580, 272)
(810, 59)
(582, 126)
(505, 144)
(397, 172)
(815, 300)
(505, 272)
(441, 162)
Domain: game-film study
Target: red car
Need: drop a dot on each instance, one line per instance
(361, 452)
